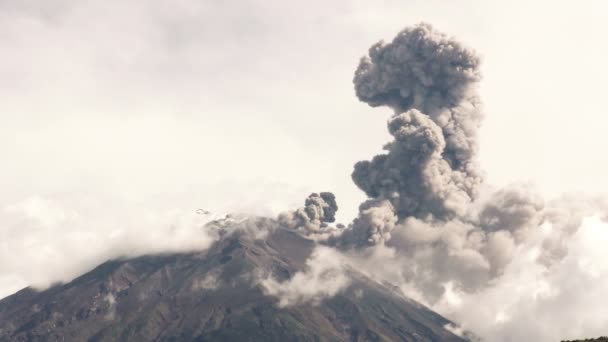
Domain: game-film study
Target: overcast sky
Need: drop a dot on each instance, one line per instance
(149, 106)
(149, 98)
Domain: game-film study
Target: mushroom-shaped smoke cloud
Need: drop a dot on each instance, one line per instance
(424, 201)
(426, 221)
(426, 70)
(430, 169)
(424, 190)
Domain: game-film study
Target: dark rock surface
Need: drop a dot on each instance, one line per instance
(213, 296)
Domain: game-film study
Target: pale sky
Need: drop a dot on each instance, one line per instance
(150, 98)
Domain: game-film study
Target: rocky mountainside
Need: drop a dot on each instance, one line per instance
(213, 296)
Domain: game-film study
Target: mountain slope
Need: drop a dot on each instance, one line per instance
(213, 296)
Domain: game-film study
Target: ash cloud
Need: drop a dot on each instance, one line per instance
(373, 226)
(318, 212)
(429, 80)
(430, 224)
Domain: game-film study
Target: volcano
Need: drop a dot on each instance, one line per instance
(213, 295)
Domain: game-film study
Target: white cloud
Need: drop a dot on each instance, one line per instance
(46, 240)
(532, 303)
(324, 277)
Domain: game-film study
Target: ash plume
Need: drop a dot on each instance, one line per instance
(429, 80)
(424, 201)
(373, 226)
(319, 210)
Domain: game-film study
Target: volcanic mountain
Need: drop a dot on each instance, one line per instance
(215, 295)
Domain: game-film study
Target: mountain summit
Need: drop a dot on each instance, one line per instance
(216, 295)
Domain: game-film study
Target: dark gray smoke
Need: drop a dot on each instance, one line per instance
(429, 224)
(424, 189)
(514, 210)
(319, 210)
(373, 226)
(425, 221)
(429, 80)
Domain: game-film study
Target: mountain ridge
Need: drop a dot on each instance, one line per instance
(214, 296)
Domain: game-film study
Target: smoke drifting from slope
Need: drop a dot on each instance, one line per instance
(424, 189)
(436, 238)
(431, 225)
(325, 277)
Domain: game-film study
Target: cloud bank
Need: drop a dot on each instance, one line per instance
(48, 240)
(491, 259)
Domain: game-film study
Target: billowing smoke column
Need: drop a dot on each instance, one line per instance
(429, 225)
(424, 190)
(429, 80)
(319, 210)
(429, 170)
(424, 204)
